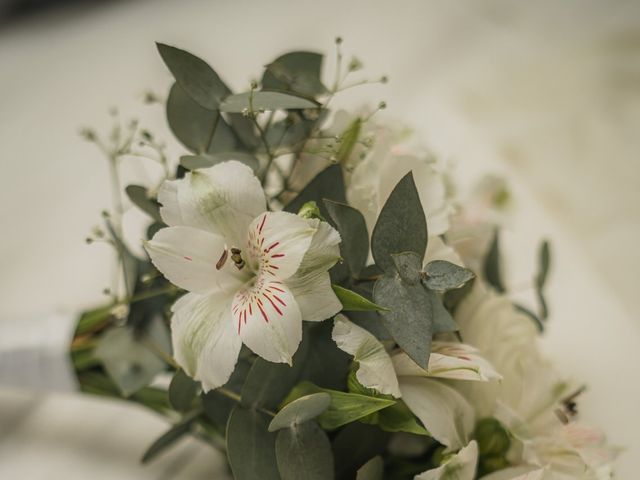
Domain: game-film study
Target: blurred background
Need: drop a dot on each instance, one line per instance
(544, 93)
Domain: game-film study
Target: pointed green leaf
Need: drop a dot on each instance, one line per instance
(492, 267)
(401, 225)
(442, 275)
(353, 231)
(169, 438)
(251, 448)
(408, 265)
(351, 301)
(372, 470)
(183, 391)
(139, 196)
(268, 383)
(328, 184)
(195, 76)
(265, 100)
(300, 410)
(304, 453)
(442, 319)
(398, 418)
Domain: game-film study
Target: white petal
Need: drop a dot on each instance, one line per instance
(455, 361)
(187, 257)
(314, 296)
(525, 472)
(222, 199)
(375, 366)
(462, 466)
(277, 243)
(205, 343)
(268, 319)
(324, 250)
(444, 412)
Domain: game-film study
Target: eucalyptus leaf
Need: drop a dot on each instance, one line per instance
(296, 72)
(372, 470)
(492, 266)
(352, 301)
(183, 390)
(300, 410)
(304, 452)
(410, 316)
(139, 196)
(193, 162)
(354, 247)
(323, 363)
(398, 418)
(442, 275)
(199, 129)
(169, 438)
(129, 363)
(344, 408)
(401, 225)
(329, 184)
(268, 383)
(195, 76)
(356, 444)
(409, 266)
(442, 319)
(265, 100)
(251, 449)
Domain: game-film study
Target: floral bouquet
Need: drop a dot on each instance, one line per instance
(316, 303)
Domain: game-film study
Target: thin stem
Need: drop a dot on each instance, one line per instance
(237, 398)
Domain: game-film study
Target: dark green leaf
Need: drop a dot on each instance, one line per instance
(217, 407)
(410, 316)
(140, 197)
(199, 129)
(398, 418)
(170, 437)
(351, 301)
(304, 453)
(195, 76)
(268, 383)
(250, 447)
(296, 72)
(442, 319)
(182, 391)
(353, 231)
(265, 100)
(401, 225)
(372, 470)
(193, 162)
(492, 266)
(323, 363)
(356, 444)
(328, 184)
(408, 265)
(443, 275)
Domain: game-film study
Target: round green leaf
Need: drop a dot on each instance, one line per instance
(304, 453)
(300, 410)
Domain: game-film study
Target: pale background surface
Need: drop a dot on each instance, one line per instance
(546, 93)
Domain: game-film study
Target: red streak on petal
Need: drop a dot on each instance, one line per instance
(277, 255)
(276, 288)
(271, 247)
(250, 309)
(272, 304)
(264, 218)
(264, 315)
(188, 258)
(280, 300)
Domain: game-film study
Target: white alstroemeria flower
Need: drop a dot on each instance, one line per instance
(444, 412)
(253, 276)
(375, 177)
(461, 466)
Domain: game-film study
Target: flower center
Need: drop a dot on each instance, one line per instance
(236, 258)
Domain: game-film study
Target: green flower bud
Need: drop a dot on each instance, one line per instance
(310, 210)
(493, 440)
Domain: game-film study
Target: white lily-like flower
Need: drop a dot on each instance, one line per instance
(252, 275)
(444, 412)
(461, 466)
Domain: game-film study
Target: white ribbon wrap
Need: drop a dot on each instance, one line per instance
(34, 353)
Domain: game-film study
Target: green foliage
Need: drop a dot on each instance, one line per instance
(297, 72)
(355, 445)
(251, 448)
(351, 301)
(193, 162)
(183, 391)
(139, 196)
(300, 410)
(195, 76)
(348, 140)
(401, 225)
(265, 100)
(492, 267)
(169, 438)
(344, 408)
(328, 184)
(442, 275)
(354, 246)
(544, 263)
(303, 452)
